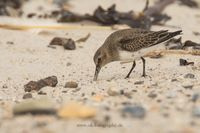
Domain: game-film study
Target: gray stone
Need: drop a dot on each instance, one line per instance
(195, 97)
(134, 111)
(196, 112)
(189, 75)
(27, 96)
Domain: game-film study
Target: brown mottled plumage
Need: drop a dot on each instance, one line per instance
(129, 45)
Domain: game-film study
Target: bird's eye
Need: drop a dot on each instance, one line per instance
(99, 60)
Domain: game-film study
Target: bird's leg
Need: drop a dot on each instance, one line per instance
(143, 61)
(133, 66)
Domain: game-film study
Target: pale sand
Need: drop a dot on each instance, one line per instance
(29, 58)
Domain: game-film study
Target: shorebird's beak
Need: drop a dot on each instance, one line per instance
(96, 72)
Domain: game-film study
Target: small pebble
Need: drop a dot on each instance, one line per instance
(195, 97)
(152, 94)
(112, 92)
(42, 93)
(189, 75)
(139, 82)
(4, 86)
(37, 85)
(171, 94)
(196, 112)
(174, 80)
(71, 84)
(65, 42)
(27, 96)
(128, 95)
(188, 86)
(134, 111)
(69, 64)
(184, 62)
(70, 45)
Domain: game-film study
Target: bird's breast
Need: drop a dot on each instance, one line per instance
(136, 55)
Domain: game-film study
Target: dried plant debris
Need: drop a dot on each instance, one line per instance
(83, 39)
(184, 62)
(178, 44)
(189, 3)
(10, 7)
(65, 42)
(149, 16)
(37, 85)
(191, 44)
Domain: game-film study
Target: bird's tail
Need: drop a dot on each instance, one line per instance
(168, 35)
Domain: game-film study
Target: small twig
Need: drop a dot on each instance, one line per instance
(83, 39)
(52, 27)
(164, 52)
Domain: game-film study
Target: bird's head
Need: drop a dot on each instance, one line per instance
(101, 58)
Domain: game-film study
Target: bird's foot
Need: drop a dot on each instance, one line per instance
(127, 77)
(144, 75)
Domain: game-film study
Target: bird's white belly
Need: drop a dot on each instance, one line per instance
(132, 56)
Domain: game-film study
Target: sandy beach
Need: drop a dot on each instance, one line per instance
(168, 98)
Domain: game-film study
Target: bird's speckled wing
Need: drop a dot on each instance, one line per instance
(141, 40)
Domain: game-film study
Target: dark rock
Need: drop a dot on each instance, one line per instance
(184, 62)
(113, 92)
(30, 15)
(71, 84)
(70, 45)
(93, 93)
(37, 85)
(27, 96)
(134, 111)
(69, 64)
(189, 75)
(65, 42)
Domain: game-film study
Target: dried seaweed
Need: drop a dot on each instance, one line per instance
(184, 62)
(83, 39)
(7, 7)
(178, 44)
(67, 43)
(148, 17)
(37, 85)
